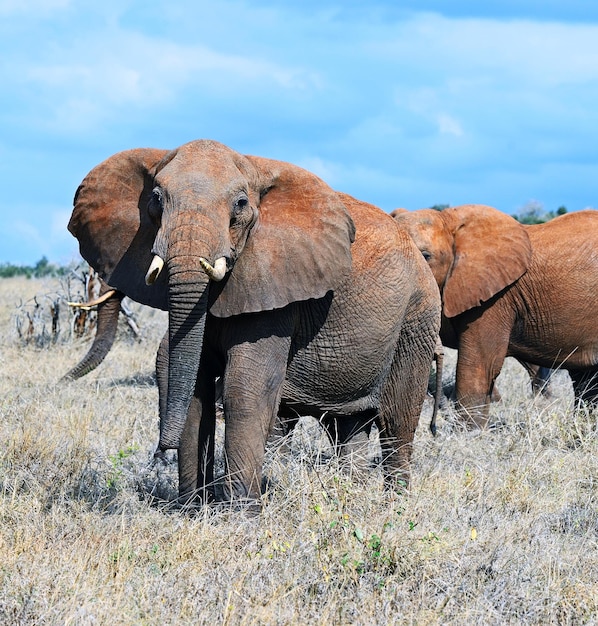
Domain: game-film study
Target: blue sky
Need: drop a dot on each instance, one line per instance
(406, 104)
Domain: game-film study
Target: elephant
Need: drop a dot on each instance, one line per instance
(512, 290)
(295, 295)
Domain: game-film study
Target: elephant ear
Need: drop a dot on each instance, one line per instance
(299, 248)
(492, 250)
(111, 222)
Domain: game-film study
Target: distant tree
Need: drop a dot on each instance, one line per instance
(440, 207)
(42, 268)
(533, 213)
(8, 270)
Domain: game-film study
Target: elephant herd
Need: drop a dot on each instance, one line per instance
(302, 300)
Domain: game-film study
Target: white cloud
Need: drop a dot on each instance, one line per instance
(541, 52)
(47, 235)
(58, 224)
(28, 236)
(86, 81)
(447, 125)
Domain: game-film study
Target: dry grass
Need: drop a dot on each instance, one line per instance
(500, 527)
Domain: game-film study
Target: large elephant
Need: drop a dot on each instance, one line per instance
(284, 288)
(512, 290)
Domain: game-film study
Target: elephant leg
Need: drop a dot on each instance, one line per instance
(585, 386)
(474, 393)
(539, 377)
(350, 436)
(480, 359)
(401, 403)
(253, 380)
(541, 382)
(196, 451)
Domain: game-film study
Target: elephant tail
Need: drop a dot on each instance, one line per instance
(439, 358)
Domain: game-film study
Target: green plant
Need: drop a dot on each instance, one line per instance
(117, 462)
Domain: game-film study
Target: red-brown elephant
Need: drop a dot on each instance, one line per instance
(530, 292)
(284, 288)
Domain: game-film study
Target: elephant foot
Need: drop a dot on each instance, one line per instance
(473, 424)
(250, 507)
(471, 419)
(234, 497)
(193, 500)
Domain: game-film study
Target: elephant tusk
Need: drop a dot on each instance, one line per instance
(217, 272)
(154, 270)
(90, 305)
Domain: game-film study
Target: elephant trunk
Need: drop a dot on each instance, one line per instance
(188, 303)
(186, 242)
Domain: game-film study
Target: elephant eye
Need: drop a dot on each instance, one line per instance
(427, 255)
(154, 206)
(239, 208)
(241, 203)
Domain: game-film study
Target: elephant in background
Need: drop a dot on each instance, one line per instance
(530, 292)
(290, 292)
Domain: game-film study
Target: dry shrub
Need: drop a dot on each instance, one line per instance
(500, 527)
(47, 317)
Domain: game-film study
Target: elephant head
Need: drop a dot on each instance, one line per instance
(210, 231)
(474, 251)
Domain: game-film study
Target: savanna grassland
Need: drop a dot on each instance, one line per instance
(500, 527)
